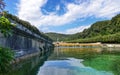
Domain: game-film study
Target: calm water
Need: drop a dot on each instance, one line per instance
(73, 61)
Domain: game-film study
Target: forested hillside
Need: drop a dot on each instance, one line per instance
(101, 29)
(58, 37)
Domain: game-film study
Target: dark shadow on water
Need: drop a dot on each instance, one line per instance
(29, 66)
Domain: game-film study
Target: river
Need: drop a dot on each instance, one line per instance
(87, 60)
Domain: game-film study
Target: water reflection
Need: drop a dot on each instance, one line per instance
(81, 61)
(69, 67)
(29, 66)
(72, 61)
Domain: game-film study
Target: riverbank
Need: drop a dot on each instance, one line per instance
(111, 45)
(86, 44)
(76, 44)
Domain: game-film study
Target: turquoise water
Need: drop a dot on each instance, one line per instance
(72, 61)
(81, 61)
(71, 66)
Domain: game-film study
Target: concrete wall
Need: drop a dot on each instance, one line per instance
(24, 43)
(18, 42)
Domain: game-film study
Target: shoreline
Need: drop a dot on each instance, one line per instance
(109, 45)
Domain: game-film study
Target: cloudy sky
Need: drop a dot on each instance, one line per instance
(63, 16)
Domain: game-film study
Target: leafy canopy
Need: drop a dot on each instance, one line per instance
(5, 26)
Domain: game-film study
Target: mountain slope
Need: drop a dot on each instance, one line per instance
(100, 28)
(58, 36)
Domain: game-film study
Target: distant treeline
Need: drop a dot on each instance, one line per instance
(58, 37)
(114, 38)
(107, 31)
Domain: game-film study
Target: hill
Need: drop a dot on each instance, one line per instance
(58, 36)
(101, 29)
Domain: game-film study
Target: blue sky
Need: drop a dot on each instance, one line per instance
(63, 16)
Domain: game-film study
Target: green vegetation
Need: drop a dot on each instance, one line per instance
(103, 31)
(5, 26)
(6, 56)
(113, 38)
(57, 37)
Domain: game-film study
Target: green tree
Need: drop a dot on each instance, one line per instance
(5, 26)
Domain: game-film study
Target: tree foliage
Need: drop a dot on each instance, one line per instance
(58, 37)
(113, 38)
(5, 26)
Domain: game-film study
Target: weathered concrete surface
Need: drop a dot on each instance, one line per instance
(18, 42)
(23, 45)
(23, 41)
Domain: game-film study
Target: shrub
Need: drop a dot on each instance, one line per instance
(6, 56)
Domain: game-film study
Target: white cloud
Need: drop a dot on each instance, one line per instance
(31, 11)
(46, 29)
(76, 29)
(57, 7)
